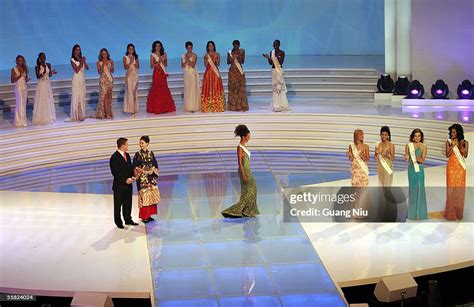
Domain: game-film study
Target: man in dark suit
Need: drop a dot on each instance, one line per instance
(122, 170)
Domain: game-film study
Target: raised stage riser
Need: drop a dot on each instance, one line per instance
(327, 83)
(96, 140)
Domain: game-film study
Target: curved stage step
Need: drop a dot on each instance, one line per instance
(91, 140)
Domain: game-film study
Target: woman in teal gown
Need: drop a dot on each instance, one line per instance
(417, 208)
(247, 205)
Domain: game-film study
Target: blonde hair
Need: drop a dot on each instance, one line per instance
(357, 131)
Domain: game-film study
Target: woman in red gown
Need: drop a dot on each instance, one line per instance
(159, 98)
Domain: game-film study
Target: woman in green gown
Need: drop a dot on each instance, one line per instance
(415, 153)
(247, 205)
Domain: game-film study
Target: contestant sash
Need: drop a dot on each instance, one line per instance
(107, 72)
(411, 148)
(362, 164)
(276, 63)
(384, 162)
(158, 60)
(213, 66)
(237, 64)
(458, 155)
(246, 150)
(46, 75)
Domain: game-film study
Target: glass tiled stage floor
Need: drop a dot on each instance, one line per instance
(200, 259)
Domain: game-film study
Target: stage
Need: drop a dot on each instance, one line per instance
(191, 256)
(56, 190)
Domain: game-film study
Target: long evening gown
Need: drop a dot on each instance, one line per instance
(21, 96)
(43, 108)
(385, 179)
(106, 87)
(455, 189)
(192, 95)
(130, 103)
(159, 98)
(148, 193)
(358, 177)
(78, 97)
(417, 208)
(279, 99)
(247, 205)
(237, 100)
(212, 96)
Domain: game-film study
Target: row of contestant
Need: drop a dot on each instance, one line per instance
(159, 100)
(415, 152)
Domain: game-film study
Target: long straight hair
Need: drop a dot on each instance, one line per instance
(72, 53)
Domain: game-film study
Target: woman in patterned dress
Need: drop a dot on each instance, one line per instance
(105, 68)
(146, 168)
(212, 95)
(247, 205)
(237, 100)
(359, 159)
(457, 149)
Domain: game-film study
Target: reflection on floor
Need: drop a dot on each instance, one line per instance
(198, 257)
(290, 168)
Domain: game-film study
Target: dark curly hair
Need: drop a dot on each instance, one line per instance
(213, 44)
(386, 129)
(241, 130)
(153, 47)
(38, 61)
(459, 131)
(145, 139)
(412, 135)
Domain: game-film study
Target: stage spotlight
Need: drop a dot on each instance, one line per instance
(439, 90)
(465, 90)
(465, 117)
(442, 115)
(401, 86)
(385, 84)
(415, 90)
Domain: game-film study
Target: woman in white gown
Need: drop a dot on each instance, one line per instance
(44, 111)
(78, 97)
(276, 59)
(131, 65)
(192, 92)
(19, 76)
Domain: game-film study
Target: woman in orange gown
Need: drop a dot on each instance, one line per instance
(456, 151)
(212, 96)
